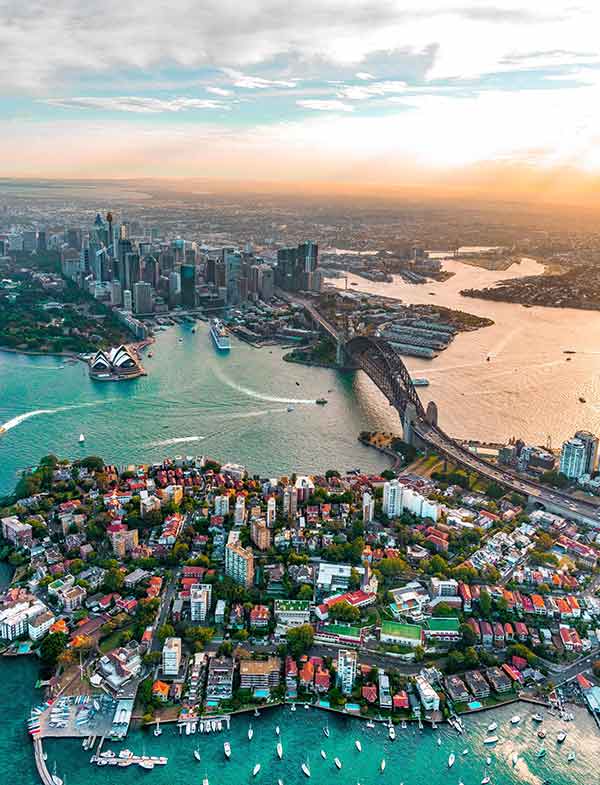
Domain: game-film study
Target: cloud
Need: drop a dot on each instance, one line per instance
(219, 91)
(364, 75)
(324, 105)
(364, 92)
(136, 104)
(256, 82)
(51, 45)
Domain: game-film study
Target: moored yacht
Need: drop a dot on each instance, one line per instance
(382, 765)
(515, 720)
(492, 727)
(326, 730)
(451, 759)
(358, 745)
(255, 770)
(323, 754)
(250, 732)
(391, 732)
(227, 749)
(305, 769)
(338, 763)
(279, 750)
(561, 737)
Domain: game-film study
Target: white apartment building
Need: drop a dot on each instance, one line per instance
(200, 601)
(171, 656)
(346, 670)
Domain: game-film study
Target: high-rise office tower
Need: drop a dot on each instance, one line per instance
(188, 285)
(142, 298)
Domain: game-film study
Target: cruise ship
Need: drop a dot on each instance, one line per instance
(219, 335)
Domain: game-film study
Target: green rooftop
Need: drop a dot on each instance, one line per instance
(342, 629)
(292, 605)
(409, 631)
(444, 624)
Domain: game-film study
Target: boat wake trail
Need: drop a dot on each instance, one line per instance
(176, 440)
(259, 396)
(20, 418)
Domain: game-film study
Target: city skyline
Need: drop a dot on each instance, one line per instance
(435, 96)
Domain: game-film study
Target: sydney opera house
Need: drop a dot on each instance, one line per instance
(115, 364)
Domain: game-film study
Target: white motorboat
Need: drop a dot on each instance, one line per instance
(515, 720)
(358, 745)
(293, 707)
(571, 757)
(323, 754)
(391, 732)
(537, 717)
(338, 763)
(148, 765)
(279, 750)
(465, 752)
(255, 770)
(158, 729)
(326, 730)
(490, 740)
(403, 725)
(279, 782)
(492, 727)
(205, 781)
(451, 759)
(201, 727)
(561, 737)
(515, 758)
(370, 724)
(197, 754)
(305, 769)
(81, 438)
(250, 732)
(382, 765)
(306, 706)
(277, 731)
(439, 741)
(227, 750)
(485, 780)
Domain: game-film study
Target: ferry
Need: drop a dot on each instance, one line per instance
(219, 335)
(227, 750)
(420, 382)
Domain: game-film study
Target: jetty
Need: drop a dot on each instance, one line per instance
(40, 763)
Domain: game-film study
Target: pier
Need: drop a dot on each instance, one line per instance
(40, 763)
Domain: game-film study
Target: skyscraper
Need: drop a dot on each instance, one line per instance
(239, 561)
(142, 298)
(392, 499)
(573, 459)
(188, 285)
(591, 450)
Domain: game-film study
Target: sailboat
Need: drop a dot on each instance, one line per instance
(486, 779)
(358, 745)
(323, 754)
(488, 761)
(305, 768)
(250, 732)
(382, 765)
(338, 763)
(326, 730)
(205, 780)
(158, 729)
(197, 754)
(255, 770)
(279, 750)
(439, 741)
(451, 759)
(277, 731)
(81, 438)
(515, 758)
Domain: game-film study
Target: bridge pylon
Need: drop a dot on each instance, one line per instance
(340, 355)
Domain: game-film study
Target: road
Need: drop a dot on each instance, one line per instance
(165, 606)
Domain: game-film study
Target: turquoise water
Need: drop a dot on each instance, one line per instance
(414, 758)
(193, 401)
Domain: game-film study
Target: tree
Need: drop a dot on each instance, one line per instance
(443, 610)
(300, 639)
(469, 637)
(343, 611)
(165, 631)
(485, 603)
(305, 592)
(52, 647)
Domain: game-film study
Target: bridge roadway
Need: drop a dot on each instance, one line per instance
(552, 500)
(385, 367)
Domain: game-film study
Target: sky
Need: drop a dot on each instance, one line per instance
(497, 96)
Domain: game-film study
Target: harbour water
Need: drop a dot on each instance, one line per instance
(195, 400)
(527, 388)
(234, 406)
(415, 758)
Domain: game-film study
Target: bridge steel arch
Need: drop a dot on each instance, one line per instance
(382, 363)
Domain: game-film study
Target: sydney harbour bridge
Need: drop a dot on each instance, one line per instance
(377, 358)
